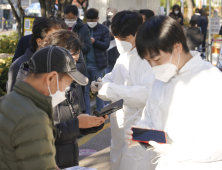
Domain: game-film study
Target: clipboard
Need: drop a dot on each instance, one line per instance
(109, 109)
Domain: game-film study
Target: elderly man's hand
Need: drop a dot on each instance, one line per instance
(87, 121)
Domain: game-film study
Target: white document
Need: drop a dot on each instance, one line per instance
(79, 168)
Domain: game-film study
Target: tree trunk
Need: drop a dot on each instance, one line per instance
(43, 8)
(18, 19)
(61, 5)
(190, 9)
(81, 2)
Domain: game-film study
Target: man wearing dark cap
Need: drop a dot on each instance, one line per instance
(27, 133)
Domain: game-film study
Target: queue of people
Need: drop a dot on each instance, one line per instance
(147, 62)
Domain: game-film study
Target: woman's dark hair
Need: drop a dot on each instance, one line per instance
(159, 33)
(126, 23)
(71, 9)
(92, 13)
(178, 7)
(148, 13)
(42, 26)
(66, 39)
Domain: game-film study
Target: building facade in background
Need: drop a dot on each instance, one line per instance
(120, 5)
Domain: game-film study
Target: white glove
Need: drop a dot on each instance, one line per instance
(160, 148)
(94, 85)
(128, 136)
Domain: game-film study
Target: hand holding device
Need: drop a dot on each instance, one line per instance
(87, 121)
(109, 109)
(160, 148)
(128, 137)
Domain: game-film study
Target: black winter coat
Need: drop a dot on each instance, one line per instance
(23, 44)
(101, 44)
(194, 38)
(113, 53)
(67, 125)
(83, 31)
(201, 22)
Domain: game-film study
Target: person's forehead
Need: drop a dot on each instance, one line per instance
(70, 16)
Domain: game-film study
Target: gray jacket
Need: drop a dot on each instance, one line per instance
(14, 68)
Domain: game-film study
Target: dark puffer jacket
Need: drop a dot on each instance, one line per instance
(67, 125)
(101, 44)
(83, 31)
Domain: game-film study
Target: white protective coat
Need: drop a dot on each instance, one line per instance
(189, 109)
(131, 80)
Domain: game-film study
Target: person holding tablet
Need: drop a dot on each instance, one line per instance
(131, 80)
(185, 100)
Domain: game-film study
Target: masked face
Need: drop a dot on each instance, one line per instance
(176, 12)
(70, 22)
(166, 71)
(92, 24)
(124, 46)
(58, 96)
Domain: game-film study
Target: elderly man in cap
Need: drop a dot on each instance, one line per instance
(27, 133)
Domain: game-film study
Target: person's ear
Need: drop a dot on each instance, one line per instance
(178, 47)
(51, 78)
(39, 41)
(97, 19)
(196, 25)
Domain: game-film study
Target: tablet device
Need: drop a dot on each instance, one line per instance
(146, 135)
(109, 109)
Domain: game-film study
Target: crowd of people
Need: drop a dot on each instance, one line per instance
(146, 60)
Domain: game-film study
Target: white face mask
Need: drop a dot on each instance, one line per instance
(123, 46)
(166, 71)
(176, 12)
(70, 23)
(92, 24)
(58, 97)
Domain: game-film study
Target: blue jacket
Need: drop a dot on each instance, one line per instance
(23, 44)
(101, 44)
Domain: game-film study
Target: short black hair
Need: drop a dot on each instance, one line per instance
(126, 23)
(42, 26)
(193, 23)
(71, 9)
(66, 39)
(197, 10)
(92, 13)
(148, 13)
(159, 33)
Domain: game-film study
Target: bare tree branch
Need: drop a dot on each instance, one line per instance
(18, 19)
(21, 10)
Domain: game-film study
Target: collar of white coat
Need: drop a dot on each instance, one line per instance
(133, 52)
(197, 14)
(192, 63)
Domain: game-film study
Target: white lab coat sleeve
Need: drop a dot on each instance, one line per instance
(133, 96)
(205, 147)
(146, 121)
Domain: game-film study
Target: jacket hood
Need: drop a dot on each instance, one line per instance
(193, 30)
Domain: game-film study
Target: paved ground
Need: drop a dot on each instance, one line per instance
(99, 143)
(5, 32)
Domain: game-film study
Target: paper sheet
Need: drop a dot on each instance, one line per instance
(79, 168)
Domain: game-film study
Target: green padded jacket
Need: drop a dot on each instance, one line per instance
(27, 133)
